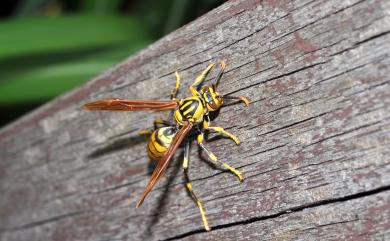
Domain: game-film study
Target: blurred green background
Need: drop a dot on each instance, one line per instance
(48, 47)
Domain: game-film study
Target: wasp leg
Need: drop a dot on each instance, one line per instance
(226, 133)
(217, 129)
(200, 79)
(146, 132)
(176, 89)
(189, 185)
(215, 159)
(160, 121)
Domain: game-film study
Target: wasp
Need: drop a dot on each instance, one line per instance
(191, 115)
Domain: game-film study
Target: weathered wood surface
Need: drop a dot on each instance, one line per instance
(315, 149)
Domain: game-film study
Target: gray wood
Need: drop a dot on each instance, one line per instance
(315, 139)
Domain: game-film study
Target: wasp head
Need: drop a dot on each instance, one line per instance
(211, 97)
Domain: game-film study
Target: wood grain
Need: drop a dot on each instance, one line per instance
(315, 149)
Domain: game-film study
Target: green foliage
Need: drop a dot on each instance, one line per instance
(100, 6)
(40, 57)
(44, 34)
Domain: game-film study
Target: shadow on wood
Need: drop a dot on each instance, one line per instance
(118, 145)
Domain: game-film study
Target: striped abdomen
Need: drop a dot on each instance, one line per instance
(159, 142)
(190, 108)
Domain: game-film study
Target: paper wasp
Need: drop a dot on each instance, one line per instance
(191, 115)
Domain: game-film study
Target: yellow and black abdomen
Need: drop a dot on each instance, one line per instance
(190, 108)
(159, 141)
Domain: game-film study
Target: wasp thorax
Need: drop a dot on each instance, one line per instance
(212, 98)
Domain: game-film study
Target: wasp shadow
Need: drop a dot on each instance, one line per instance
(162, 200)
(118, 145)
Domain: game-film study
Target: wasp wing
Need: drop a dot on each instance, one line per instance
(131, 105)
(164, 161)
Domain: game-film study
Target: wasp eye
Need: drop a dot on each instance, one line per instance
(209, 97)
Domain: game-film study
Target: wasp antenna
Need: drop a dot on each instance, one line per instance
(238, 98)
(219, 76)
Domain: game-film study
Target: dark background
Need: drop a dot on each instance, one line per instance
(48, 47)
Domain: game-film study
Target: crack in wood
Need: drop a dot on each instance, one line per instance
(225, 196)
(329, 224)
(261, 173)
(293, 124)
(239, 40)
(43, 222)
(285, 212)
(319, 19)
(275, 77)
(357, 44)
(317, 186)
(266, 150)
(342, 133)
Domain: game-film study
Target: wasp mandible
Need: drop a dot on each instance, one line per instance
(191, 114)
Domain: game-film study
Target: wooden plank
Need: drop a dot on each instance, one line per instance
(359, 218)
(315, 137)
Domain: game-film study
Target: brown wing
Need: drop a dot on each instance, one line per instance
(164, 161)
(131, 105)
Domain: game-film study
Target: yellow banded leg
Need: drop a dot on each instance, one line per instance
(146, 132)
(200, 79)
(217, 129)
(214, 158)
(189, 185)
(224, 132)
(174, 91)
